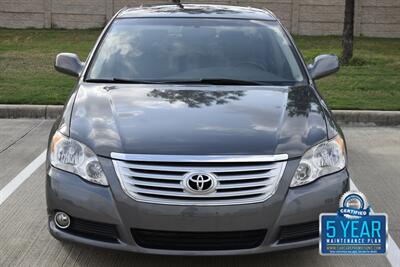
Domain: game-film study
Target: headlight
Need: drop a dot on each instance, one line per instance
(71, 156)
(322, 159)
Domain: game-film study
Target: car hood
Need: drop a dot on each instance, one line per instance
(197, 120)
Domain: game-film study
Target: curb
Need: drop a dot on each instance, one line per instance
(367, 117)
(343, 117)
(30, 111)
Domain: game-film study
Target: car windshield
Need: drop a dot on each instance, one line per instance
(170, 50)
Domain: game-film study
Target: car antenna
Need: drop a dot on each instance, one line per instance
(178, 3)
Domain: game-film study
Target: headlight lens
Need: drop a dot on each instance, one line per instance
(322, 159)
(71, 156)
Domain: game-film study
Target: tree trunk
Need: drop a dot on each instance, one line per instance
(348, 31)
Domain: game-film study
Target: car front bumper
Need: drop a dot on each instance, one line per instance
(110, 205)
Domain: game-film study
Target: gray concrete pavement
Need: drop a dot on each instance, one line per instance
(21, 142)
(374, 156)
(24, 241)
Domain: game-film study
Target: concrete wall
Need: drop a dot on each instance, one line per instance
(380, 18)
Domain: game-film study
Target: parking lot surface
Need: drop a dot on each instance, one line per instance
(374, 155)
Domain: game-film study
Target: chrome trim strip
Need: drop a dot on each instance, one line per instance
(196, 158)
(188, 195)
(155, 167)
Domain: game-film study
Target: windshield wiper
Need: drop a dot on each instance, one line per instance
(215, 82)
(201, 81)
(237, 82)
(118, 80)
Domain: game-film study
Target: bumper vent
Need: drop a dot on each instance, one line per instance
(198, 241)
(161, 179)
(93, 230)
(299, 232)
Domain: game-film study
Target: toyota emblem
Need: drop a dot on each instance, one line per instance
(200, 183)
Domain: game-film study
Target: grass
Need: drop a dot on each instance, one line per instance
(370, 81)
(26, 64)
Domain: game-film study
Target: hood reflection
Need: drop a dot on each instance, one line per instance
(197, 99)
(296, 106)
(197, 120)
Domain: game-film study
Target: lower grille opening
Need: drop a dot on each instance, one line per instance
(198, 241)
(93, 230)
(299, 232)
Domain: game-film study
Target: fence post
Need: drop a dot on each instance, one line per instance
(357, 18)
(109, 9)
(295, 17)
(47, 13)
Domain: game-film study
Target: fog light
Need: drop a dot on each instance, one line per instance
(62, 220)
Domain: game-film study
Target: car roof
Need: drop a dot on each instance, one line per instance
(197, 11)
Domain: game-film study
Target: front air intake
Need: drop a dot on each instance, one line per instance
(198, 241)
(93, 230)
(299, 232)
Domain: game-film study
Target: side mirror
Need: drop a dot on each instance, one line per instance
(69, 64)
(324, 65)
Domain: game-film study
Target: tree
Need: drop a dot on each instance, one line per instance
(348, 31)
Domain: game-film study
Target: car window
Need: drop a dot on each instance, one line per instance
(185, 49)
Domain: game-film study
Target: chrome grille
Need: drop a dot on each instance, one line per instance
(159, 178)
